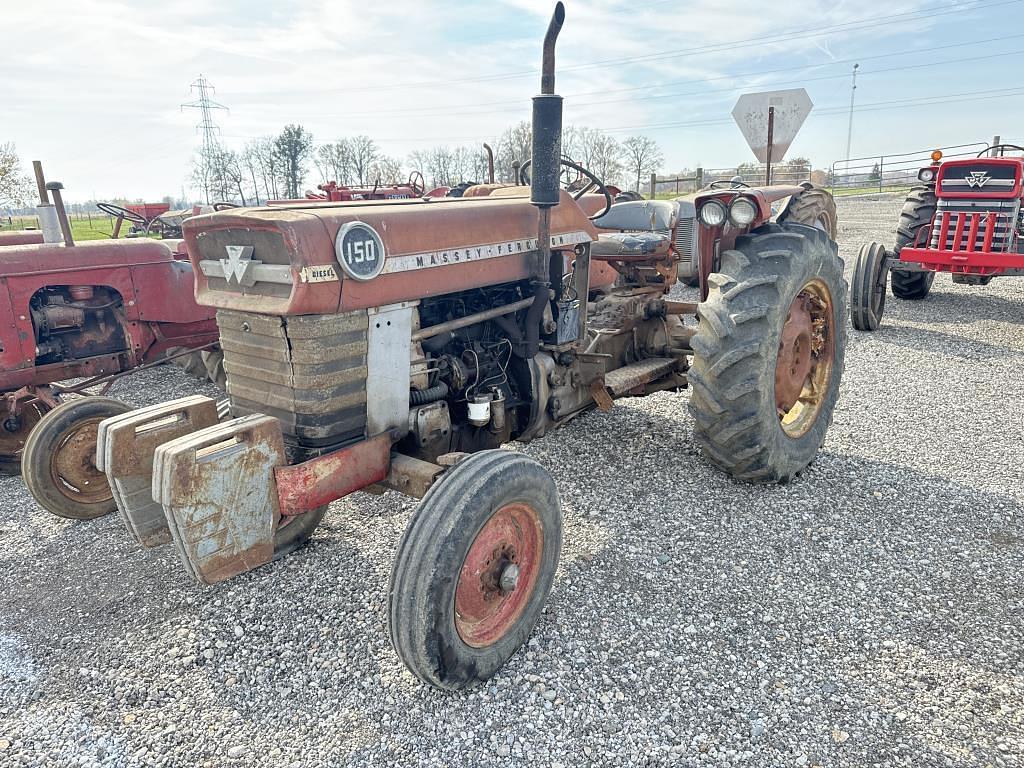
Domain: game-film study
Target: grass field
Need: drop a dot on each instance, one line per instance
(96, 227)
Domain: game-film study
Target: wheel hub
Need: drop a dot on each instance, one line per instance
(805, 358)
(73, 466)
(498, 575)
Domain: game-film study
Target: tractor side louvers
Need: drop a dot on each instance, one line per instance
(307, 371)
(686, 233)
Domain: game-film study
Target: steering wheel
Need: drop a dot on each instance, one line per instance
(224, 205)
(122, 213)
(592, 183)
(417, 183)
(731, 184)
(988, 151)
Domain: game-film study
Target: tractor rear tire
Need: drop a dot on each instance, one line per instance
(474, 568)
(202, 364)
(213, 363)
(776, 276)
(815, 207)
(867, 289)
(14, 433)
(918, 212)
(58, 463)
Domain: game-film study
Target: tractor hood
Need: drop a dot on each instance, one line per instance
(316, 258)
(980, 178)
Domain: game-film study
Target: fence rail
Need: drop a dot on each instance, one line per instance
(894, 170)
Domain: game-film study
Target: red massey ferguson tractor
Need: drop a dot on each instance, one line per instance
(966, 219)
(93, 312)
(398, 344)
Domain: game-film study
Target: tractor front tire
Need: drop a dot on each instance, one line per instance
(814, 207)
(867, 289)
(474, 568)
(918, 212)
(769, 353)
(58, 463)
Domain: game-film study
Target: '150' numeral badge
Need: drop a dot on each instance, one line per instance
(360, 250)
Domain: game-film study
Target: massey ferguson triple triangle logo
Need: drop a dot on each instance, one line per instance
(977, 179)
(239, 264)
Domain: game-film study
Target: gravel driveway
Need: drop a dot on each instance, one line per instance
(869, 614)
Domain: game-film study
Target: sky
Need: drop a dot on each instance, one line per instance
(94, 88)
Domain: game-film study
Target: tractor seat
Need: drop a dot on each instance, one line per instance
(630, 246)
(640, 216)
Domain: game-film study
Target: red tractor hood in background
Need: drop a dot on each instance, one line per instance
(432, 247)
(982, 178)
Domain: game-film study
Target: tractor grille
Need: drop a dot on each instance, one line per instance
(686, 236)
(968, 225)
(308, 371)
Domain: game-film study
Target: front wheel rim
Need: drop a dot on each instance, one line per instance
(806, 355)
(499, 575)
(73, 465)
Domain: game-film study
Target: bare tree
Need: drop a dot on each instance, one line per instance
(364, 152)
(601, 154)
(386, 170)
(293, 147)
(512, 147)
(643, 155)
(15, 186)
(335, 161)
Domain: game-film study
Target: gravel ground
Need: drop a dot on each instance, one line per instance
(869, 614)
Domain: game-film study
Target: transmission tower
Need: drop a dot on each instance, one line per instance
(205, 104)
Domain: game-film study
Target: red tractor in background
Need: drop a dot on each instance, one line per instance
(966, 219)
(92, 311)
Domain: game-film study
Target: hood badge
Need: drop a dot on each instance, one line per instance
(239, 265)
(977, 179)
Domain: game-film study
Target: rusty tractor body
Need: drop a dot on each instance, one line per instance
(398, 344)
(966, 218)
(91, 311)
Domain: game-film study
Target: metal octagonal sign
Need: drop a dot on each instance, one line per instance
(360, 250)
(751, 114)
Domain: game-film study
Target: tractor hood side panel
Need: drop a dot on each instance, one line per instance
(432, 247)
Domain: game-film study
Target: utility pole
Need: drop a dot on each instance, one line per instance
(849, 129)
(205, 104)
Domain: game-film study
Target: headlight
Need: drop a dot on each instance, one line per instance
(926, 174)
(742, 212)
(713, 214)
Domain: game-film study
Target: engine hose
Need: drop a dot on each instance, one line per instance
(423, 396)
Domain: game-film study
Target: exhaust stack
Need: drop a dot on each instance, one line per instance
(546, 152)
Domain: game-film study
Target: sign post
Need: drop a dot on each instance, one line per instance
(770, 120)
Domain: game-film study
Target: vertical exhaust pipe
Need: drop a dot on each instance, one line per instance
(490, 163)
(55, 187)
(546, 152)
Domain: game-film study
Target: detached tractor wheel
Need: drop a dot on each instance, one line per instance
(816, 208)
(474, 568)
(918, 212)
(867, 290)
(14, 432)
(58, 463)
(769, 353)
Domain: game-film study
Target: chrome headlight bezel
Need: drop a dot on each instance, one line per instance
(926, 175)
(747, 207)
(713, 213)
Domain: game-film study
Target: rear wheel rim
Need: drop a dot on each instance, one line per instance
(499, 575)
(73, 465)
(806, 355)
(14, 431)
